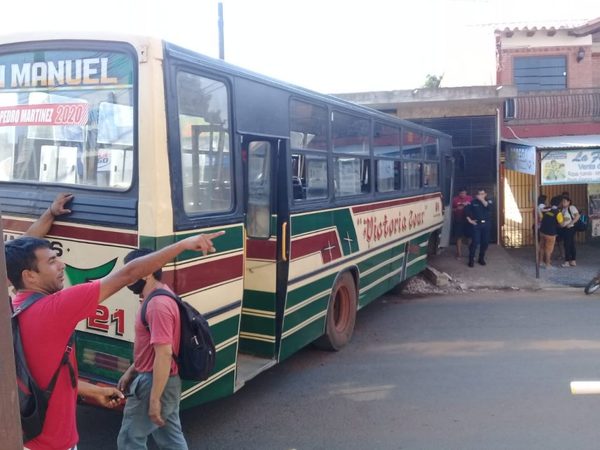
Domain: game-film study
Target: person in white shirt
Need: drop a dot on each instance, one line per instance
(570, 215)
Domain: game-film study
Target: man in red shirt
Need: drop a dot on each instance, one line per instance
(152, 379)
(32, 266)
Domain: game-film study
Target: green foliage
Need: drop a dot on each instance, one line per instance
(433, 81)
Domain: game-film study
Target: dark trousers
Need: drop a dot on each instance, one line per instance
(569, 241)
(480, 238)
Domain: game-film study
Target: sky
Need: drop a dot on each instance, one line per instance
(331, 46)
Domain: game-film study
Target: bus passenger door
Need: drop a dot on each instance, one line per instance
(447, 190)
(265, 254)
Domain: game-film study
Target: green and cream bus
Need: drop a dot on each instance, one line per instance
(326, 205)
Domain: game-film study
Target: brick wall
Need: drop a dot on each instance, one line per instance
(579, 74)
(596, 69)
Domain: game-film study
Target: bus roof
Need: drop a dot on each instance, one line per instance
(156, 45)
(328, 98)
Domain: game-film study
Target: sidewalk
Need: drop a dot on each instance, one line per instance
(588, 265)
(515, 269)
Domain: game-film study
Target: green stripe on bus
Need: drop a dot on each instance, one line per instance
(378, 290)
(307, 223)
(258, 325)
(301, 338)
(231, 240)
(341, 219)
(308, 311)
(300, 294)
(225, 330)
(257, 348)
(264, 301)
(217, 389)
(225, 357)
(345, 226)
(416, 268)
(380, 273)
(375, 260)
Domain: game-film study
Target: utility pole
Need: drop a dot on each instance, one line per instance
(10, 422)
(221, 35)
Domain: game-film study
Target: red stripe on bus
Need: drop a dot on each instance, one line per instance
(392, 203)
(15, 225)
(326, 243)
(261, 249)
(209, 273)
(129, 239)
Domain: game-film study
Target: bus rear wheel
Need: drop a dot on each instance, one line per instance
(341, 314)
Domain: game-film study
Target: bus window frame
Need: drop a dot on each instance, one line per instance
(87, 191)
(394, 193)
(274, 145)
(181, 219)
(302, 205)
(368, 156)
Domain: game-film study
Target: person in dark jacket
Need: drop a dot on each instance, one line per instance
(479, 215)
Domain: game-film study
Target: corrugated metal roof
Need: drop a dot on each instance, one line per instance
(560, 142)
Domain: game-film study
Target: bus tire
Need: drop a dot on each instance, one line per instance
(341, 314)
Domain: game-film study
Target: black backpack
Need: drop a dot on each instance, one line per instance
(33, 400)
(582, 223)
(197, 353)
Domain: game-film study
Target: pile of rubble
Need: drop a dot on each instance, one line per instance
(431, 281)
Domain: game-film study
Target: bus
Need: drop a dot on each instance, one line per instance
(326, 205)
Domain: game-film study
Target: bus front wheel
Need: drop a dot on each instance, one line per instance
(341, 314)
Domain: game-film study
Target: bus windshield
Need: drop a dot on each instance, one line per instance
(66, 117)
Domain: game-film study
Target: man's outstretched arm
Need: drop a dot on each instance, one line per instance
(41, 227)
(145, 265)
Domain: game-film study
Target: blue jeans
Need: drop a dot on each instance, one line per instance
(137, 426)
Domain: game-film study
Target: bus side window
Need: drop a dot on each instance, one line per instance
(310, 176)
(206, 166)
(297, 188)
(258, 219)
(309, 141)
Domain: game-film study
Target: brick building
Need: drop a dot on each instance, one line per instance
(556, 110)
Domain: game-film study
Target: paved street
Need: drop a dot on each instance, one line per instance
(485, 370)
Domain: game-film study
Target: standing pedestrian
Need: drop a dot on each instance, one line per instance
(570, 215)
(46, 326)
(459, 223)
(551, 222)
(541, 209)
(479, 215)
(152, 379)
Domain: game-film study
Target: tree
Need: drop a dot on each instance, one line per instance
(433, 81)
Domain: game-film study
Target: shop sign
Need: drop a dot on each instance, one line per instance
(520, 158)
(570, 166)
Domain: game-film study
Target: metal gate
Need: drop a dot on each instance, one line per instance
(518, 206)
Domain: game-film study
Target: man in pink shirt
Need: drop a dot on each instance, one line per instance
(152, 379)
(33, 267)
